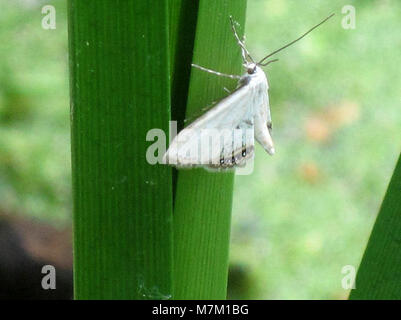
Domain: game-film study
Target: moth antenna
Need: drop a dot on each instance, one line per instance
(292, 42)
(268, 62)
(232, 76)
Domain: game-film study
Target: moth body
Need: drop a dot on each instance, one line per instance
(223, 137)
(259, 98)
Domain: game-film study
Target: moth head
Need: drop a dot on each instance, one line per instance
(251, 68)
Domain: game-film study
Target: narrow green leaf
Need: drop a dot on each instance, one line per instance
(202, 208)
(183, 14)
(379, 275)
(119, 58)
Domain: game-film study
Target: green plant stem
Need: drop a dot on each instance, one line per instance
(119, 66)
(202, 208)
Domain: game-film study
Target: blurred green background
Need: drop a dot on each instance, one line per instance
(304, 213)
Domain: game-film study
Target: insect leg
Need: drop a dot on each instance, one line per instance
(232, 76)
(244, 51)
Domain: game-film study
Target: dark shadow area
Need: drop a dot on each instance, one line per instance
(26, 247)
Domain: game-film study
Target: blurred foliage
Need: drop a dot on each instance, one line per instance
(308, 211)
(34, 112)
(305, 212)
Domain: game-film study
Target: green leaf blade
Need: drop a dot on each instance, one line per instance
(379, 275)
(202, 208)
(119, 66)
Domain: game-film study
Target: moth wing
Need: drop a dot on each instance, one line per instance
(238, 150)
(229, 113)
(263, 122)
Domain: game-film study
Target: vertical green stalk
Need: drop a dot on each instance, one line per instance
(202, 208)
(379, 275)
(119, 66)
(183, 14)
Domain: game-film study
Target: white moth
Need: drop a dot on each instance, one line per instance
(223, 137)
